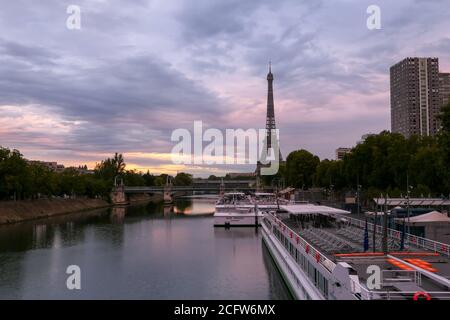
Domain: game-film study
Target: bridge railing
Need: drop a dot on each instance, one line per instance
(186, 188)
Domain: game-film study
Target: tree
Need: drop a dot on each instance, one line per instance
(444, 118)
(149, 179)
(182, 179)
(429, 168)
(133, 178)
(43, 181)
(110, 168)
(444, 142)
(71, 183)
(329, 173)
(300, 168)
(14, 177)
(162, 179)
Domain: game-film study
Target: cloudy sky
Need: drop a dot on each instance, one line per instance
(137, 70)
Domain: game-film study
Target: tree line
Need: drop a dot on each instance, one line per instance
(383, 163)
(20, 179)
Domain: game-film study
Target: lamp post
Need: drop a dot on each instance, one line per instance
(358, 196)
(408, 194)
(331, 193)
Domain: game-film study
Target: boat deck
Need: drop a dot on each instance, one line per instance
(341, 242)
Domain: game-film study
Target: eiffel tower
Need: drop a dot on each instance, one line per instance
(270, 121)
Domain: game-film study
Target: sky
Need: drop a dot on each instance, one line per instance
(138, 70)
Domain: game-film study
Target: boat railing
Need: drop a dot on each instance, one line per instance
(297, 241)
(419, 242)
(412, 295)
(390, 277)
(363, 293)
(359, 290)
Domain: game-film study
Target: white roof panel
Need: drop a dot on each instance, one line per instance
(312, 209)
(430, 217)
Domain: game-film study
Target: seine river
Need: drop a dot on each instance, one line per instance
(140, 252)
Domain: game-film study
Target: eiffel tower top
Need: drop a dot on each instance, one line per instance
(270, 75)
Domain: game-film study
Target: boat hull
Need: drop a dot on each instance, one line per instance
(237, 220)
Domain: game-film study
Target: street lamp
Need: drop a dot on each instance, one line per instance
(358, 191)
(408, 194)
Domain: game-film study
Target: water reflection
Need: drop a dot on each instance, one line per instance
(143, 251)
(117, 215)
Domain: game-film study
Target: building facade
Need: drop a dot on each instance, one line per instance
(444, 88)
(415, 99)
(341, 152)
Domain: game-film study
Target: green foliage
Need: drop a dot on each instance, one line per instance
(301, 167)
(149, 179)
(22, 180)
(444, 142)
(330, 173)
(182, 179)
(382, 164)
(110, 168)
(14, 177)
(132, 178)
(161, 180)
(444, 118)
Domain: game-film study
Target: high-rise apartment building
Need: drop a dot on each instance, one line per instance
(444, 88)
(415, 99)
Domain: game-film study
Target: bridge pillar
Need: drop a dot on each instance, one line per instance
(167, 195)
(168, 192)
(118, 196)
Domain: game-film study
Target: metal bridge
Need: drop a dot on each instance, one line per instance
(120, 191)
(173, 189)
(200, 185)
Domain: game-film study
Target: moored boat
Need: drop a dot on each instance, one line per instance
(324, 254)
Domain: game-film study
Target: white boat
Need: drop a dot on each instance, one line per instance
(268, 202)
(236, 209)
(324, 254)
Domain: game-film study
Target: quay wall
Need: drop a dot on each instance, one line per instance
(142, 198)
(18, 211)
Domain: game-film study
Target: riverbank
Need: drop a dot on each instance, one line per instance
(144, 198)
(18, 211)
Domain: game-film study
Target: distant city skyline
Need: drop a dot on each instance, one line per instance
(137, 71)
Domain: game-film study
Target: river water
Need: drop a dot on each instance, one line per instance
(140, 252)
